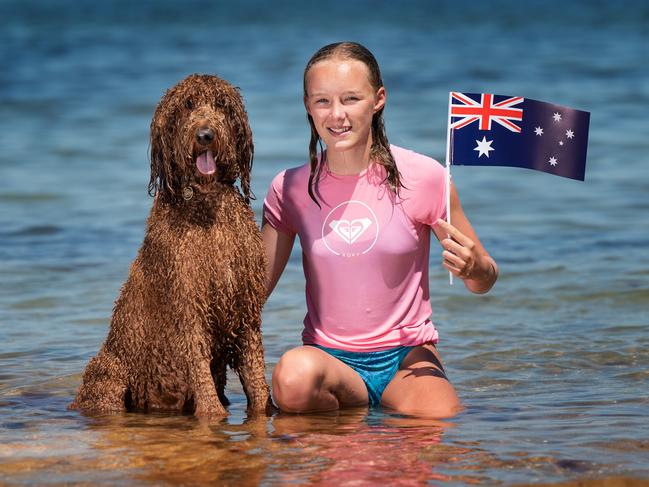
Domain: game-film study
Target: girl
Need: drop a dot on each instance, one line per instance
(364, 211)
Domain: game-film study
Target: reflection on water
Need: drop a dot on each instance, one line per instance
(351, 447)
(180, 450)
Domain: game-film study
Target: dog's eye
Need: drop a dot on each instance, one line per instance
(189, 104)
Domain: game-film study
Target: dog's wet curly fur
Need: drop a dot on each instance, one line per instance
(192, 302)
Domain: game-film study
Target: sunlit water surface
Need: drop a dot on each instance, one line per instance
(552, 365)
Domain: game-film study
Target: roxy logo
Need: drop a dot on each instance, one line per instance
(350, 229)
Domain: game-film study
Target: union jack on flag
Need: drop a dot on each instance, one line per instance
(496, 130)
(486, 111)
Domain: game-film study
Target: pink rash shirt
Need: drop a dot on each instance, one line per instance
(364, 252)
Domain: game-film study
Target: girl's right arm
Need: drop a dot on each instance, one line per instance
(278, 246)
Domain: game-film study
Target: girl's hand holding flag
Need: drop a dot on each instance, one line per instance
(463, 254)
(463, 259)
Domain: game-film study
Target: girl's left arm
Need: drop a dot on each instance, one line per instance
(463, 254)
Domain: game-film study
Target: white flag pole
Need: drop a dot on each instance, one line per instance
(449, 133)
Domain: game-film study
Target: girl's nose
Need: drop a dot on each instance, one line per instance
(337, 111)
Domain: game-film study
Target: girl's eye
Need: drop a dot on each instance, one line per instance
(351, 99)
(321, 100)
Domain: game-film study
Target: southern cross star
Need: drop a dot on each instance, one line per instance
(556, 117)
(553, 161)
(538, 131)
(484, 146)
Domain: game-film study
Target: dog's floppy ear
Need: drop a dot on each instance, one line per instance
(245, 148)
(157, 166)
(162, 181)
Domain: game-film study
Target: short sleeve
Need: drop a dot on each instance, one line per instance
(277, 211)
(424, 194)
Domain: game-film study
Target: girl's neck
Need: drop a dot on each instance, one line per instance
(352, 161)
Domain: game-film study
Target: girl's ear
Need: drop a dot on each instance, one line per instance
(381, 97)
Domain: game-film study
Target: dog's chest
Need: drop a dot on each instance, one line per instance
(233, 245)
(217, 245)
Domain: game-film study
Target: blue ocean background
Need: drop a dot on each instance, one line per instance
(552, 365)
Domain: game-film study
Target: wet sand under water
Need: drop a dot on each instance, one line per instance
(54, 446)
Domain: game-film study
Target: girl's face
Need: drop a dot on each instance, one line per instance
(342, 102)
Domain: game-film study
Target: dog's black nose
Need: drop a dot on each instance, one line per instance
(205, 136)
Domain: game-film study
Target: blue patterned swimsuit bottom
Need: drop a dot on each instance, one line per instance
(375, 368)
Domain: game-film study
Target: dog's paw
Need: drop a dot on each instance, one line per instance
(267, 408)
(214, 412)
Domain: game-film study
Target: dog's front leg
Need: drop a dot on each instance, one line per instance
(251, 370)
(206, 400)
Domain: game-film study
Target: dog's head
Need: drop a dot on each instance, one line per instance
(200, 134)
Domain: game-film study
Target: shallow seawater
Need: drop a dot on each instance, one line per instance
(552, 365)
(45, 445)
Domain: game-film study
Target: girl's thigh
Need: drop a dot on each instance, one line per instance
(421, 388)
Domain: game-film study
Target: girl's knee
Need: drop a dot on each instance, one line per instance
(296, 380)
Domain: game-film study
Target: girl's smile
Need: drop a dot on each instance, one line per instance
(339, 132)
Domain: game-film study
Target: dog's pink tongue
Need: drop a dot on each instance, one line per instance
(205, 162)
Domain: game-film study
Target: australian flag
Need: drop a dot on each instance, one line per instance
(496, 130)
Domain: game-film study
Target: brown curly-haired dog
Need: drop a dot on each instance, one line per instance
(192, 302)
